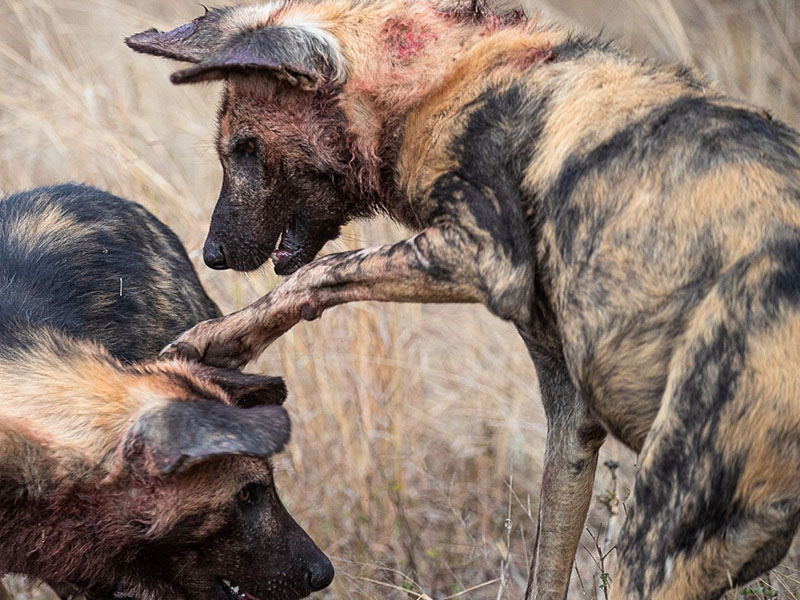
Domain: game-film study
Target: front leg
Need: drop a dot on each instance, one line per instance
(574, 438)
(453, 260)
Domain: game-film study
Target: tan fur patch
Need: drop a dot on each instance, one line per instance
(49, 230)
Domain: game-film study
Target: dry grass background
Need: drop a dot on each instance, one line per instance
(418, 434)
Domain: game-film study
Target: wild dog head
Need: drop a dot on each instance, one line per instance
(151, 482)
(281, 137)
(311, 111)
(217, 528)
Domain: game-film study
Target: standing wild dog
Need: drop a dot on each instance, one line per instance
(137, 481)
(640, 229)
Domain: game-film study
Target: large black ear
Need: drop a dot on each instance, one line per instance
(192, 42)
(245, 389)
(303, 55)
(299, 56)
(183, 434)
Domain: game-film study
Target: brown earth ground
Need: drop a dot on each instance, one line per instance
(418, 434)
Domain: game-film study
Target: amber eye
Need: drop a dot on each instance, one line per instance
(250, 147)
(250, 495)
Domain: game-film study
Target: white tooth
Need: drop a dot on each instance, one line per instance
(226, 582)
(235, 590)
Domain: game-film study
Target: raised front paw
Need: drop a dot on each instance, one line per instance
(216, 342)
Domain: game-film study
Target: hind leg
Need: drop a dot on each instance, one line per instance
(717, 499)
(695, 541)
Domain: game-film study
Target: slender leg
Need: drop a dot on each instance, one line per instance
(444, 263)
(573, 441)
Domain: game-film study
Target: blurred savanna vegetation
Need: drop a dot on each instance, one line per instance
(418, 433)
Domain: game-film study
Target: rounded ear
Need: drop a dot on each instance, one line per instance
(183, 434)
(245, 389)
(191, 42)
(303, 55)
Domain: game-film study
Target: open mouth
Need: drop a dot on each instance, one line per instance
(288, 254)
(234, 592)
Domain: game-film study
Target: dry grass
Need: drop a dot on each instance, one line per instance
(418, 432)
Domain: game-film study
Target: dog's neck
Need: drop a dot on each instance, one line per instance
(425, 54)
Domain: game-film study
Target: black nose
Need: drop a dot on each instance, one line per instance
(214, 255)
(320, 574)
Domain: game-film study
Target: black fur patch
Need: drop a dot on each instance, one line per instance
(575, 47)
(492, 153)
(783, 286)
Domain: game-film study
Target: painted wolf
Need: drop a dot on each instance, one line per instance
(122, 478)
(640, 228)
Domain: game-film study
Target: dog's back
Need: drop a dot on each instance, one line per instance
(94, 266)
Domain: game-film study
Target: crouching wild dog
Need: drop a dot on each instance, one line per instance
(136, 480)
(640, 229)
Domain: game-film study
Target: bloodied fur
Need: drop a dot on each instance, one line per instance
(641, 230)
(123, 478)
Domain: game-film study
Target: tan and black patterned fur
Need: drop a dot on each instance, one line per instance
(641, 230)
(121, 476)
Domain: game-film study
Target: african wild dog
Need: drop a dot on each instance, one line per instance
(134, 480)
(640, 229)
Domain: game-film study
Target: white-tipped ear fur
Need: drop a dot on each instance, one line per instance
(274, 39)
(247, 18)
(243, 18)
(270, 14)
(321, 30)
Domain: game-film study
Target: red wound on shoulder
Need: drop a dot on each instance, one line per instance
(407, 37)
